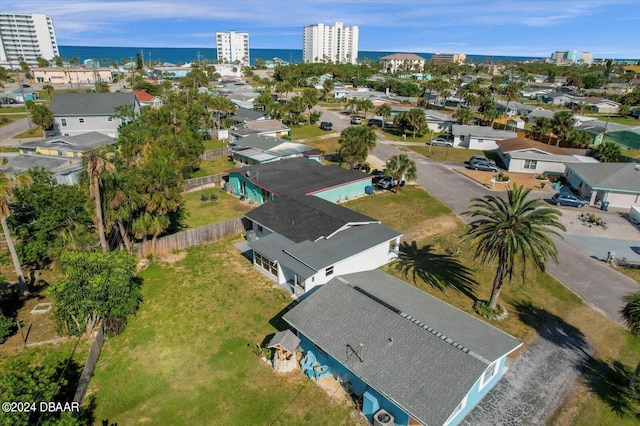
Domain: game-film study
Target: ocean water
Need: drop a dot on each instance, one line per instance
(183, 55)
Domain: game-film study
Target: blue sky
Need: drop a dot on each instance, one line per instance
(608, 28)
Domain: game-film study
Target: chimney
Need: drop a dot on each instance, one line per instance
(361, 352)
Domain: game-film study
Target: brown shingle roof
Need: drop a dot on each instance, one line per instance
(517, 144)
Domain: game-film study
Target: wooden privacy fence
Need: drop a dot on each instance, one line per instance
(89, 366)
(214, 153)
(203, 182)
(191, 237)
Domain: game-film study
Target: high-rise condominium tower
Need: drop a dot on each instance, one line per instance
(233, 47)
(325, 43)
(25, 37)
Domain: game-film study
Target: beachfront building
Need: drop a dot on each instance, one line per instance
(457, 58)
(402, 62)
(26, 36)
(233, 48)
(330, 43)
(586, 58)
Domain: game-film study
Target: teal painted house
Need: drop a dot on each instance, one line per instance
(407, 357)
(298, 176)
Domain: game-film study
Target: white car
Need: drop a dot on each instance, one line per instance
(440, 141)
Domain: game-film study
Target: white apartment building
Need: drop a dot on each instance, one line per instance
(233, 47)
(325, 43)
(586, 58)
(26, 36)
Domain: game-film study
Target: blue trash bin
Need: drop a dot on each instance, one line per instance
(368, 189)
(604, 206)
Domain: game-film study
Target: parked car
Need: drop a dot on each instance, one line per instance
(375, 122)
(356, 120)
(25, 86)
(325, 125)
(440, 141)
(387, 182)
(481, 158)
(566, 199)
(484, 166)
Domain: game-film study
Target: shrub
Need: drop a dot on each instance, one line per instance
(542, 176)
(503, 177)
(7, 325)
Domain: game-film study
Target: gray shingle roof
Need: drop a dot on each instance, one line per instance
(23, 162)
(623, 177)
(79, 143)
(481, 131)
(419, 352)
(286, 339)
(297, 176)
(86, 104)
(301, 218)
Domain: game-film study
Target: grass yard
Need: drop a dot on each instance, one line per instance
(202, 213)
(213, 166)
(307, 131)
(456, 155)
(214, 144)
(627, 121)
(188, 357)
(35, 132)
(601, 397)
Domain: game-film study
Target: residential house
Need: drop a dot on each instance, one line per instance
(606, 131)
(478, 137)
(557, 98)
(302, 241)
(439, 121)
(77, 113)
(401, 62)
(522, 155)
(298, 176)
(616, 183)
(63, 170)
(271, 127)
(515, 123)
(244, 115)
(599, 105)
(147, 99)
(537, 113)
(405, 353)
(67, 146)
(257, 149)
(515, 108)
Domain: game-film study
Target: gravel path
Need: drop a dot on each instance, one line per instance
(534, 385)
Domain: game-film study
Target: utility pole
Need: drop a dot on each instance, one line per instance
(26, 107)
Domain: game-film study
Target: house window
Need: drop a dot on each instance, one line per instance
(458, 409)
(109, 119)
(488, 374)
(530, 164)
(81, 120)
(328, 271)
(63, 122)
(260, 228)
(266, 264)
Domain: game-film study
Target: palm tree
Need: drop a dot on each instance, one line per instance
(463, 115)
(97, 162)
(631, 315)
(579, 138)
(400, 167)
(310, 98)
(7, 185)
(416, 119)
(366, 105)
(511, 92)
(607, 152)
(383, 111)
(562, 124)
(542, 127)
(355, 143)
(512, 229)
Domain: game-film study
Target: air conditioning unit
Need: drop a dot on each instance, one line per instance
(383, 418)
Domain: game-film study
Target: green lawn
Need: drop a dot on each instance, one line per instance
(35, 132)
(214, 144)
(325, 145)
(627, 121)
(459, 155)
(307, 131)
(12, 110)
(205, 212)
(188, 356)
(213, 166)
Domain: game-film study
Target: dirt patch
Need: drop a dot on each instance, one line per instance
(522, 179)
(172, 258)
(431, 227)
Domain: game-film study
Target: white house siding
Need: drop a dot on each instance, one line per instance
(367, 260)
(619, 199)
(98, 124)
(517, 165)
(482, 144)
